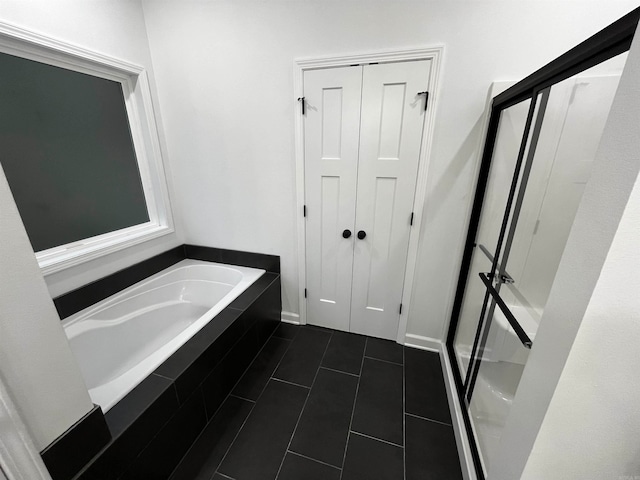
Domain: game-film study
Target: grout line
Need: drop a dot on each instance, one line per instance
(313, 459)
(235, 308)
(252, 406)
(353, 410)
(385, 361)
(231, 444)
(339, 371)
(404, 410)
(162, 376)
(376, 438)
(290, 383)
(223, 475)
(304, 405)
(242, 398)
(428, 419)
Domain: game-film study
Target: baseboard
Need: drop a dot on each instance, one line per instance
(457, 420)
(423, 343)
(289, 317)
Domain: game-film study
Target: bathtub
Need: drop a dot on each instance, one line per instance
(119, 341)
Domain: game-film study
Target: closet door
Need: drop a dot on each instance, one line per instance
(391, 133)
(331, 132)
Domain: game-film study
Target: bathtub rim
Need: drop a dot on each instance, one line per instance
(119, 387)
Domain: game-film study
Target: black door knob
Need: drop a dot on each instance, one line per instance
(362, 234)
(346, 234)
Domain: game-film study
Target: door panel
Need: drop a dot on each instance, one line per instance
(331, 133)
(390, 140)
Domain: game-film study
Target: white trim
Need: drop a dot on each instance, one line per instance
(435, 54)
(423, 343)
(19, 459)
(290, 317)
(144, 132)
(457, 420)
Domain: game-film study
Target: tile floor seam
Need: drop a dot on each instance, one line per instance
(339, 371)
(428, 419)
(385, 361)
(311, 458)
(242, 398)
(376, 438)
(304, 405)
(252, 406)
(222, 475)
(290, 383)
(404, 411)
(353, 409)
(290, 342)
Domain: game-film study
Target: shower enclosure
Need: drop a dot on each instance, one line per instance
(542, 137)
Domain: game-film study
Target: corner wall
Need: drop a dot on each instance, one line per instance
(35, 360)
(225, 81)
(115, 28)
(575, 412)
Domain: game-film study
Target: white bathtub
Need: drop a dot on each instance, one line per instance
(119, 341)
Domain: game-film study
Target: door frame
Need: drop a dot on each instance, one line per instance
(435, 55)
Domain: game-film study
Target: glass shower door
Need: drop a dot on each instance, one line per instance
(508, 143)
(555, 170)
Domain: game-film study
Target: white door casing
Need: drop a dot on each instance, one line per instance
(302, 65)
(371, 147)
(331, 132)
(390, 140)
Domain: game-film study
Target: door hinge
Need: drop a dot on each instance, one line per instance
(411, 219)
(400, 312)
(304, 210)
(301, 100)
(426, 99)
(305, 293)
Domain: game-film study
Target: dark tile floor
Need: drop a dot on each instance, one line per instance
(318, 404)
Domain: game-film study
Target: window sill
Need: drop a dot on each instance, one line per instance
(60, 258)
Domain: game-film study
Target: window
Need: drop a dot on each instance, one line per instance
(79, 149)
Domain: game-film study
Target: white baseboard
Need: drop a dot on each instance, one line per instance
(457, 420)
(289, 317)
(423, 343)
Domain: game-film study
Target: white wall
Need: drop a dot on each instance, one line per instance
(575, 413)
(36, 362)
(225, 81)
(115, 28)
(35, 359)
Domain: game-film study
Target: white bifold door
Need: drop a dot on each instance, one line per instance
(362, 133)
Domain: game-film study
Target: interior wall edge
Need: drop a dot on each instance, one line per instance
(603, 204)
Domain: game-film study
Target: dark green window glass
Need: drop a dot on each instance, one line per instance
(67, 153)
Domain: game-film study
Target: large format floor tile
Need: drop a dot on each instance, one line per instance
(379, 405)
(369, 459)
(257, 452)
(322, 405)
(431, 452)
(257, 375)
(324, 425)
(303, 358)
(345, 352)
(425, 391)
(296, 467)
(384, 350)
(207, 452)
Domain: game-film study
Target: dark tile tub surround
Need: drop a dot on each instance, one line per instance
(163, 415)
(157, 422)
(72, 450)
(87, 295)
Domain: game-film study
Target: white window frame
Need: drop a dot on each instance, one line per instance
(144, 132)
